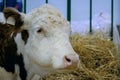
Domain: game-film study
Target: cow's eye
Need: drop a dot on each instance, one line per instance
(40, 30)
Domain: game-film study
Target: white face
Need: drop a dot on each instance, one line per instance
(48, 45)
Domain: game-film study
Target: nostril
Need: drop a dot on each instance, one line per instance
(71, 61)
(67, 59)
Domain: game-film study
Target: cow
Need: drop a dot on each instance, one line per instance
(40, 43)
(10, 26)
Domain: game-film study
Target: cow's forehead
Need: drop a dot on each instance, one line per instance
(47, 16)
(50, 20)
(43, 10)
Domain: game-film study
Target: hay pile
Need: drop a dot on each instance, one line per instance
(98, 60)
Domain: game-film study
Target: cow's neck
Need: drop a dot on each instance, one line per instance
(33, 68)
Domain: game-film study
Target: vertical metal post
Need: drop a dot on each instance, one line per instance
(90, 16)
(4, 3)
(24, 6)
(46, 1)
(69, 10)
(112, 13)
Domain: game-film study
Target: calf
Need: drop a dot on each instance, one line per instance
(42, 44)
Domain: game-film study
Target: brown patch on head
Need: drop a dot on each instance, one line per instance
(14, 13)
(7, 30)
(25, 35)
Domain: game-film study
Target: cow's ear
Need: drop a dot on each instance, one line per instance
(13, 16)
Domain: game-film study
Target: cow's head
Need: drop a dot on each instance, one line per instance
(48, 45)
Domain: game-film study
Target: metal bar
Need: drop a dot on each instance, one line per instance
(46, 1)
(4, 3)
(90, 16)
(24, 6)
(112, 20)
(69, 10)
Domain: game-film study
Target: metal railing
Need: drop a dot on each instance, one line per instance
(90, 13)
(24, 6)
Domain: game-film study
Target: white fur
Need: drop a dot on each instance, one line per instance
(8, 75)
(11, 21)
(5, 75)
(20, 46)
